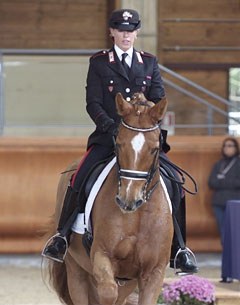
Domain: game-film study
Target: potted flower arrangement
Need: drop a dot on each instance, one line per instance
(189, 290)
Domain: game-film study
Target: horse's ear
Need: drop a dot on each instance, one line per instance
(123, 107)
(158, 111)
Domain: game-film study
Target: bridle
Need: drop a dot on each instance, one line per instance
(140, 175)
(140, 129)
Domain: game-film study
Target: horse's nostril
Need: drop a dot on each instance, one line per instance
(119, 201)
(139, 203)
(128, 207)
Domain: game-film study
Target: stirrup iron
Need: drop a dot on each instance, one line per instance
(49, 242)
(186, 249)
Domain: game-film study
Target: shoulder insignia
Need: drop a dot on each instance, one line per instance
(100, 53)
(111, 57)
(139, 57)
(147, 54)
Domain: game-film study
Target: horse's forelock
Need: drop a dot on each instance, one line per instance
(141, 108)
(141, 104)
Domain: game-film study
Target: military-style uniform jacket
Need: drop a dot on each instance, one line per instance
(106, 77)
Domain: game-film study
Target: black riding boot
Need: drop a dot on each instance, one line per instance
(182, 258)
(57, 245)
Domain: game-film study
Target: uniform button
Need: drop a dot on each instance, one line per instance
(111, 81)
(144, 82)
(127, 90)
(128, 99)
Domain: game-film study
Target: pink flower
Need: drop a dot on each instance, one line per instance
(192, 289)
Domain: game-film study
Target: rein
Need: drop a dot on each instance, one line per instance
(140, 175)
(181, 172)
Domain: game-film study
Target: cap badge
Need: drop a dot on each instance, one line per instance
(126, 15)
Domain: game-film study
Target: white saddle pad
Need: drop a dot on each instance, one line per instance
(82, 221)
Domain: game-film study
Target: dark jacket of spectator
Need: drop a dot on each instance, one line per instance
(226, 186)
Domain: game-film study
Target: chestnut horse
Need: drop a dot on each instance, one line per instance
(132, 222)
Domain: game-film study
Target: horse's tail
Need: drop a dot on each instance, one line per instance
(58, 280)
(56, 274)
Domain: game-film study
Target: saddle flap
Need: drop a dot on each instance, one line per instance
(93, 177)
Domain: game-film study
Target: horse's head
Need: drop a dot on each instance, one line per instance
(137, 149)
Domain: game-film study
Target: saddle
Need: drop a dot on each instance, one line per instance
(96, 171)
(170, 179)
(87, 237)
(89, 181)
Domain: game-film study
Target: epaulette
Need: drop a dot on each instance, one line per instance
(100, 53)
(143, 53)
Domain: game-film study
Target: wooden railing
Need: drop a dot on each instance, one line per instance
(31, 167)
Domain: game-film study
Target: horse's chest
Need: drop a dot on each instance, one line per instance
(129, 244)
(130, 254)
(125, 247)
(129, 247)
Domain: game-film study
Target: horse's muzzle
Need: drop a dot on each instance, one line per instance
(130, 206)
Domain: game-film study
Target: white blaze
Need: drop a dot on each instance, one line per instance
(128, 189)
(137, 144)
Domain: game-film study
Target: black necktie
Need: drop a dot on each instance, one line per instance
(125, 65)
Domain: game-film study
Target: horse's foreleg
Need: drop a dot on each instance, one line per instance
(77, 280)
(104, 275)
(125, 291)
(150, 286)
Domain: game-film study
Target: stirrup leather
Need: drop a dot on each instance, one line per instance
(187, 250)
(49, 242)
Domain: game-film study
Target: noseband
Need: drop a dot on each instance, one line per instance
(140, 175)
